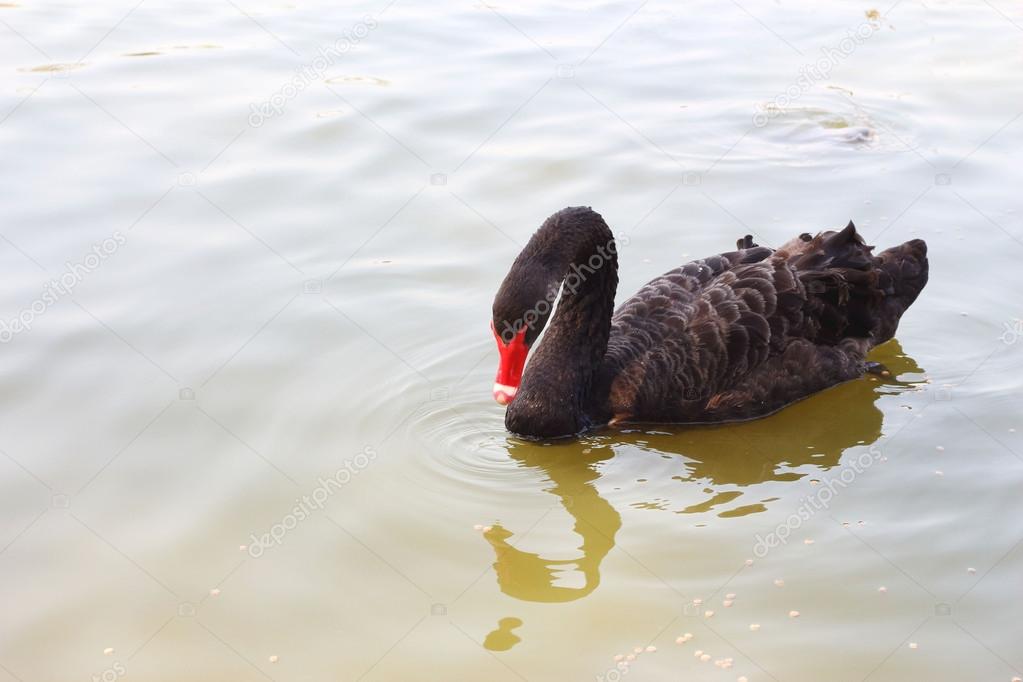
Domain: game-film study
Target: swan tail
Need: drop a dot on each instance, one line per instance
(853, 293)
(903, 273)
(746, 242)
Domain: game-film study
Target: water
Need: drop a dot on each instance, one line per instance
(300, 290)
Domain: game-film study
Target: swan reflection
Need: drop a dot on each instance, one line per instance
(571, 471)
(814, 432)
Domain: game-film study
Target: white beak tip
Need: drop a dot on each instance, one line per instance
(504, 394)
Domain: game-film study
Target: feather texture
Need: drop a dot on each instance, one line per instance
(738, 335)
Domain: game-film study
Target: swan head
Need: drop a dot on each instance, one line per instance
(522, 307)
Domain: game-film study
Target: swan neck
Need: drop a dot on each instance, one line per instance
(557, 397)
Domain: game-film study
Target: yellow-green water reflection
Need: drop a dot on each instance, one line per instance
(813, 433)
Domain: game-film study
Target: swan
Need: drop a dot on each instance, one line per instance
(732, 337)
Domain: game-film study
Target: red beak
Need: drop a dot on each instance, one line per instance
(509, 371)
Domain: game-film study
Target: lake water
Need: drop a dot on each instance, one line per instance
(249, 250)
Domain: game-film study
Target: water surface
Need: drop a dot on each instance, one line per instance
(249, 253)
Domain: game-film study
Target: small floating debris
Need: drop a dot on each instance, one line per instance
(705, 658)
(793, 614)
(845, 91)
(242, 548)
(651, 649)
(940, 448)
(779, 583)
(274, 658)
(682, 639)
(54, 68)
(698, 653)
(753, 627)
(708, 614)
(742, 678)
(808, 541)
(727, 603)
(371, 80)
(109, 650)
(487, 529)
(478, 526)
(697, 601)
(215, 592)
(730, 596)
(882, 589)
(939, 472)
(340, 112)
(913, 645)
(618, 658)
(749, 562)
(971, 570)
(637, 650)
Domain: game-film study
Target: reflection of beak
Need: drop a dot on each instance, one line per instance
(504, 394)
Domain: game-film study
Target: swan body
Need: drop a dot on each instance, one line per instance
(731, 337)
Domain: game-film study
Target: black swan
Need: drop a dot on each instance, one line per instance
(732, 337)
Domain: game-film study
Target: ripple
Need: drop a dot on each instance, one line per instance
(812, 124)
(466, 447)
(835, 120)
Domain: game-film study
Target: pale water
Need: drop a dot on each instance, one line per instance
(225, 284)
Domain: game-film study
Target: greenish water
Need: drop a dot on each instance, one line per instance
(246, 427)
